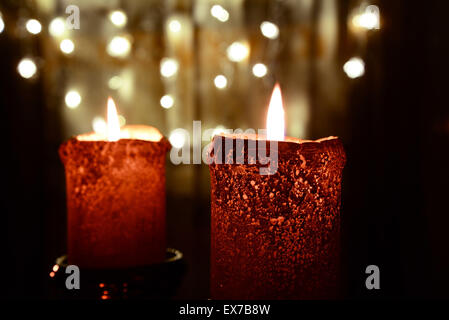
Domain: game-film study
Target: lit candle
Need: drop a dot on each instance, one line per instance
(116, 195)
(275, 236)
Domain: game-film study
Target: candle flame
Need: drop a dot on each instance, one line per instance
(275, 117)
(113, 122)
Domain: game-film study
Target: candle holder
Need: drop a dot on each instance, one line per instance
(156, 281)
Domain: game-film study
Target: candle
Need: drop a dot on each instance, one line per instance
(275, 236)
(116, 196)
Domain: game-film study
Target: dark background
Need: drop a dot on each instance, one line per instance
(394, 202)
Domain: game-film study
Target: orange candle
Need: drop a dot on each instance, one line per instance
(116, 196)
(275, 236)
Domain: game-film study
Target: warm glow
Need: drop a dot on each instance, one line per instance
(33, 26)
(55, 268)
(113, 122)
(275, 117)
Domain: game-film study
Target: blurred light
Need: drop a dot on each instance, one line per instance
(167, 101)
(67, 46)
(269, 30)
(27, 68)
(2, 24)
(52, 274)
(121, 120)
(220, 81)
(57, 27)
(72, 99)
(115, 83)
(177, 138)
(174, 25)
(118, 18)
(237, 51)
(260, 70)
(219, 13)
(354, 68)
(33, 26)
(218, 130)
(100, 126)
(169, 67)
(119, 47)
(369, 19)
(56, 267)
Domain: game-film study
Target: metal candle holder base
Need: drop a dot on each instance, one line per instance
(158, 281)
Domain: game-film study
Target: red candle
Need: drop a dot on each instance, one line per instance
(276, 236)
(116, 196)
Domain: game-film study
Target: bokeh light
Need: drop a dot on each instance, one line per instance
(33, 26)
(269, 30)
(220, 81)
(219, 13)
(237, 51)
(72, 99)
(27, 68)
(169, 67)
(67, 46)
(354, 68)
(260, 70)
(167, 101)
(119, 47)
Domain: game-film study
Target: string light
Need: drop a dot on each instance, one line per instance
(27, 68)
(269, 30)
(57, 27)
(118, 18)
(174, 26)
(237, 51)
(33, 26)
(2, 24)
(354, 68)
(260, 70)
(220, 81)
(119, 47)
(169, 67)
(177, 138)
(115, 83)
(219, 13)
(67, 46)
(72, 99)
(167, 101)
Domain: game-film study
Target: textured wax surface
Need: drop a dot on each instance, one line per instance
(278, 236)
(115, 202)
